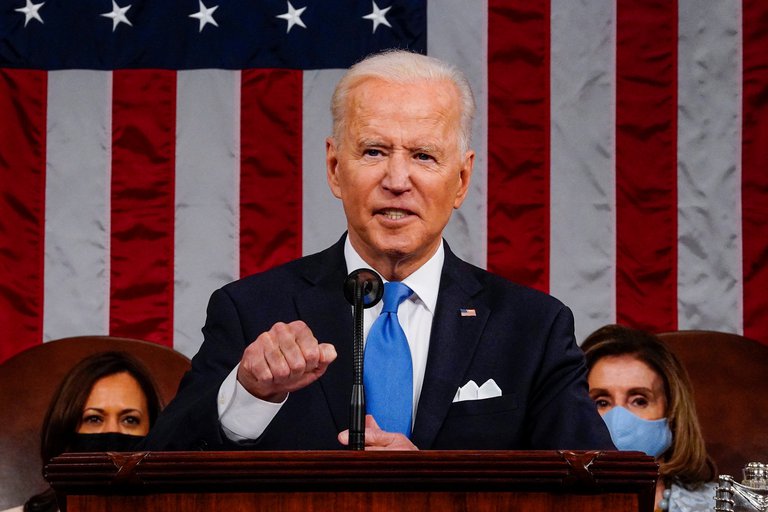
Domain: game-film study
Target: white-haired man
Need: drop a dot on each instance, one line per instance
(275, 369)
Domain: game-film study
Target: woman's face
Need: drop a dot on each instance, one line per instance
(626, 381)
(116, 404)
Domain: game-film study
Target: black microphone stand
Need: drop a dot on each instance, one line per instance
(363, 288)
(357, 404)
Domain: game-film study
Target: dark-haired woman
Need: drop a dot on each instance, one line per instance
(107, 402)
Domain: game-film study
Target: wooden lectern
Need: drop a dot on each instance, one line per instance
(350, 481)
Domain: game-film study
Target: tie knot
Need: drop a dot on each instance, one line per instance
(395, 293)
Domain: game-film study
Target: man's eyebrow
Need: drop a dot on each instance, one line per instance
(425, 148)
(371, 142)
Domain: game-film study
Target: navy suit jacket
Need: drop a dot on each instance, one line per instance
(521, 338)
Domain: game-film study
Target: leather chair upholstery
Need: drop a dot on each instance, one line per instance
(729, 374)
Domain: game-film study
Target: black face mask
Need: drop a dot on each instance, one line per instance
(108, 442)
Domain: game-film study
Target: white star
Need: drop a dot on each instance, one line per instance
(118, 15)
(30, 11)
(378, 16)
(205, 15)
(293, 16)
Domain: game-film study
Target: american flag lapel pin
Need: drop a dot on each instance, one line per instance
(467, 312)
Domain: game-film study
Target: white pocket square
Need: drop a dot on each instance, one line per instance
(470, 391)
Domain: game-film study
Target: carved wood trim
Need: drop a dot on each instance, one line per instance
(144, 472)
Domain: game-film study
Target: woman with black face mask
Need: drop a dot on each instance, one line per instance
(643, 393)
(107, 402)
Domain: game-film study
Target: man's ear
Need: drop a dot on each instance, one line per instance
(332, 166)
(465, 177)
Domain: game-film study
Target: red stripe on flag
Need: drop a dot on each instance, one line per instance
(270, 174)
(646, 164)
(143, 160)
(518, 140)
(754, 191)
(23, 96)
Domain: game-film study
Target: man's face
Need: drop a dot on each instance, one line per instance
(399, 171)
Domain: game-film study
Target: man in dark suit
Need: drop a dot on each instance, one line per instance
(494, 365)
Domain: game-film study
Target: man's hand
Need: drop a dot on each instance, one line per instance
(285, 358)
(377, 439)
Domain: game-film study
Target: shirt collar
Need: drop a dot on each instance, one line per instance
(422, 281)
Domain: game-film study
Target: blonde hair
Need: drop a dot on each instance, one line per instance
(404, 67)
(686, 461)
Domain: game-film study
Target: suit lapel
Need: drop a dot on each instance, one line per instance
(326, 311)
(453, 341)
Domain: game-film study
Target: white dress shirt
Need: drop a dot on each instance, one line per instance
(244, 416)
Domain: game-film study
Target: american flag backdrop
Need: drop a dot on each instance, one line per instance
(151, 151)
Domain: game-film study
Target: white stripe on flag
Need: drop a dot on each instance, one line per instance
(207, 195)
(79, 138)
(323, 219)
(709, 169)
(582, 218)
(457, 32)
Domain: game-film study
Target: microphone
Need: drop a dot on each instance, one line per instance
(363, 288)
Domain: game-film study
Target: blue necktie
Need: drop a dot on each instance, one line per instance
(387, 367)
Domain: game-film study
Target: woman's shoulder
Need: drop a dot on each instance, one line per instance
(701, 498)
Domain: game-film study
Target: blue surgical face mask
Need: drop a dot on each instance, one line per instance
(631, 432)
